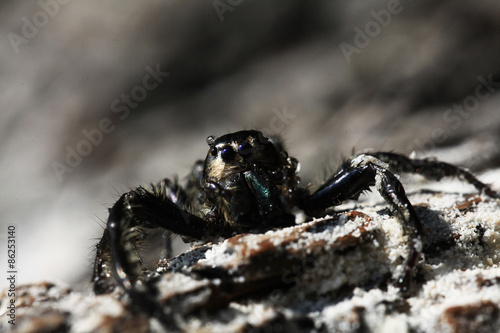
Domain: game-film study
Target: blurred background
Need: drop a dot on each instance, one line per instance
(98, 97)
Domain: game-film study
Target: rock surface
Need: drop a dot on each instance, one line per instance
(329, 274)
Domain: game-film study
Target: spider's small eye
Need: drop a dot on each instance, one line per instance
(227, 154)
(245, 149)
(210, 139)
(213, 151)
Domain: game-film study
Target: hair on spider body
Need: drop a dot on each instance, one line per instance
(249, 183)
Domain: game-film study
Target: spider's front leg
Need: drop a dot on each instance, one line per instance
(432, 169)
(357, 176)
(130, 216)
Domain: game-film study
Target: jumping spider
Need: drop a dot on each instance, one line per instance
(248, 183)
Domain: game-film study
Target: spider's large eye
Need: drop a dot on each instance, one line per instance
(245, 149)
(227, 154)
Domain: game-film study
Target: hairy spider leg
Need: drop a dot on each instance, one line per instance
(432, 169)
(357, 176)
(173, 191)
(393, 192)
(135, 211)
(166, 190)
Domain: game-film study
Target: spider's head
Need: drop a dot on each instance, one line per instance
(244, 177)
(239, 152)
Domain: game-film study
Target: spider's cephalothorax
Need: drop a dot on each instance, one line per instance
(248, 183)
